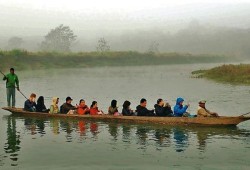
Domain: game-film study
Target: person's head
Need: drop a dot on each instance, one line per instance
(82, 102)
(40, 100)
(94, 104)
(179, 101)
(126, 104)
(143, 102)
(69, 100)
(202, 103)
(33, 97)
(55, 100)
(160, 102)
(113, 103)
(12, 71)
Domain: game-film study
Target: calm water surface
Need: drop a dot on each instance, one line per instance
(29, 143)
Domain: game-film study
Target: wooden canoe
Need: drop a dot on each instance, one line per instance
(198, 121)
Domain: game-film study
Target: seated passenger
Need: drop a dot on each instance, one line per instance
(203, 112)
(30, 104)
(40, 107)
(54, 109)
(94, 109)
(113, 109)
(142, 110)
(67, 108)
(126, 111)
(163, 109)
(82, 108)
(179, 109)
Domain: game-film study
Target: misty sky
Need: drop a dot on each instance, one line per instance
(132, 24)
(37, 17)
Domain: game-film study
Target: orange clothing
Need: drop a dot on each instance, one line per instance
(82, 127)
(82, 110)
(93, 111)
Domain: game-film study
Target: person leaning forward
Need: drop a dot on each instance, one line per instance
(67, 107)
(12, 83)
(203, 112)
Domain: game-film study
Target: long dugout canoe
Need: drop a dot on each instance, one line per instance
(197, 121)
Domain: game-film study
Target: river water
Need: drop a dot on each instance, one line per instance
(29, 143)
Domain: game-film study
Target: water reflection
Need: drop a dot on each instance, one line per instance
(163, 137)
(113, 130)
(94, 129)
(12, 145)
(181, 139)
(140, 136)
(126, 133)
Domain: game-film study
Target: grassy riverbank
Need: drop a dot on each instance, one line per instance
(233, 74)
(23, 60)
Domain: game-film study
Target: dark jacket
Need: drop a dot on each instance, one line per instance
(29, 106)
(65, 108)
(163, 111)
(143, 111)
(41, 108)
(127, 112)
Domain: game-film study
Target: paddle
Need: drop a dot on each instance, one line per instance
(15, 87)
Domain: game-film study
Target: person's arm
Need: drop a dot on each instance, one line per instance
(179, 111)
(69, 107)
(159, 111)
(5, 77)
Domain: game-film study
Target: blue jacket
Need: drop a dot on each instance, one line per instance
(179, 109)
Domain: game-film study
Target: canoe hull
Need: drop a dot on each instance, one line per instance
(199, 121)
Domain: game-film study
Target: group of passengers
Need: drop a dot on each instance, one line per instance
(161, 108)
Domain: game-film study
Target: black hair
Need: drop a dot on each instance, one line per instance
(81, 100)
(143, 100)
(113, 103)
(12, 69)
(40, 100)
(159, 101)
(126, 104)
(93, 103)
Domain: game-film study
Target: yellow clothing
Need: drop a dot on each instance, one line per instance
(202, 112)
(54, 107)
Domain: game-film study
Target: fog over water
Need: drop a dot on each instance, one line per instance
(177, 26)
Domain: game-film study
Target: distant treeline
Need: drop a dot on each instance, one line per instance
(22, 60)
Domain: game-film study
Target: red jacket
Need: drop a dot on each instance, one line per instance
(82, 110)
(93, 111)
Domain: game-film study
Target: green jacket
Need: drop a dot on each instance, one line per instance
(12, 79)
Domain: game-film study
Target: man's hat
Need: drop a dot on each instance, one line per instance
(202, 102)
(68, 98)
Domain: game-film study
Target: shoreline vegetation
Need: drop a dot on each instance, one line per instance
(232, 74)
(24, 60)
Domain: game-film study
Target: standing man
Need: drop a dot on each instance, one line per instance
(12, 83)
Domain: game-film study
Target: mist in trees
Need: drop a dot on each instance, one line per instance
(14, 43)
(102, 45)
(59, 39)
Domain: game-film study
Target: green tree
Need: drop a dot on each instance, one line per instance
(59, 39)
(102, 45)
